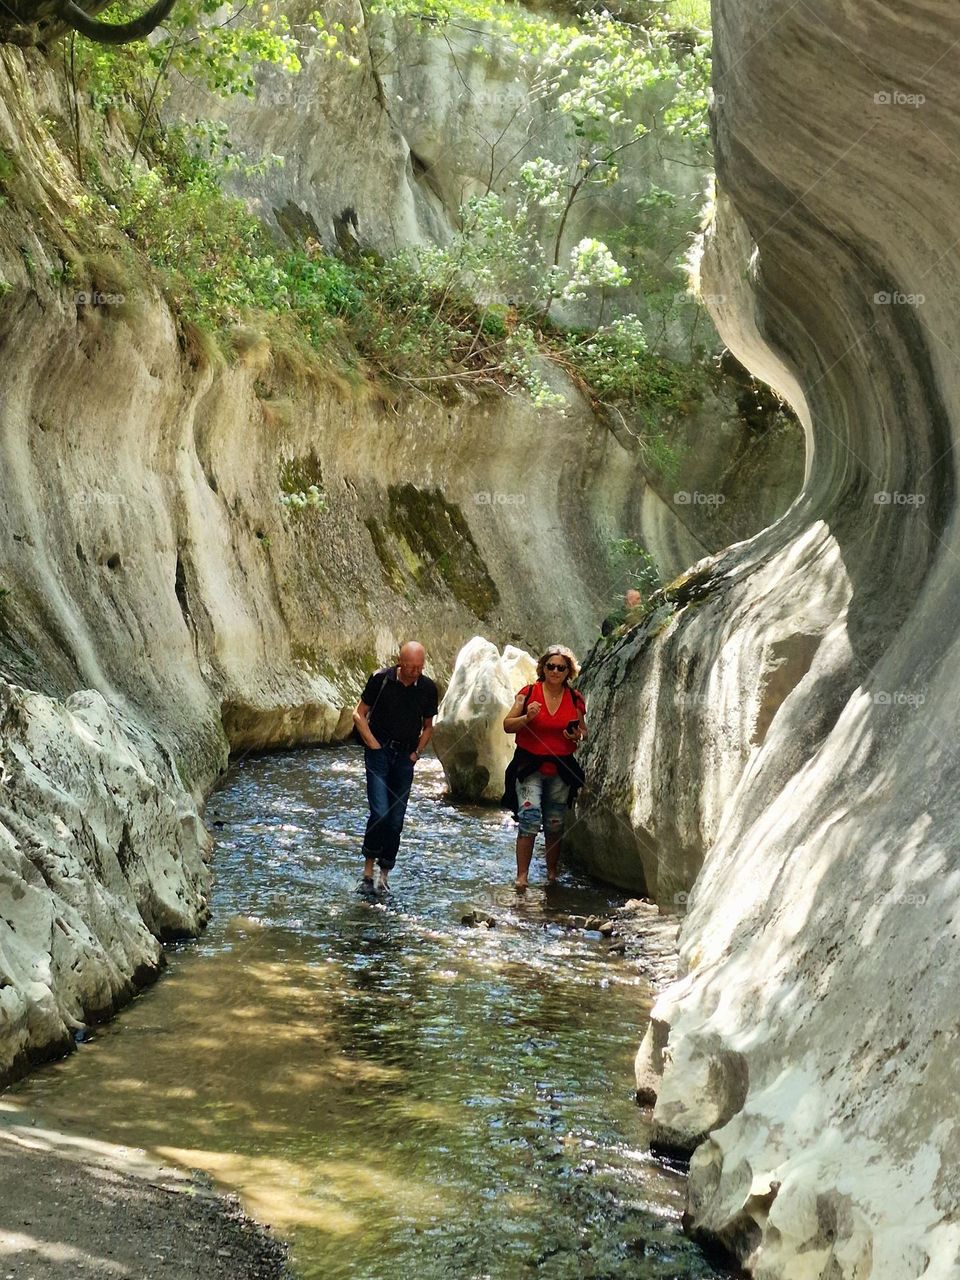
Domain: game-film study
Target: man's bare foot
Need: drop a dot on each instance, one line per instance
(382, 885)
(520, 885)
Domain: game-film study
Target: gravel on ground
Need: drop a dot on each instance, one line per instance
(72, 1207)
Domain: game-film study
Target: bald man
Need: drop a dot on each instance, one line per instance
(394, 717)
(632, 599)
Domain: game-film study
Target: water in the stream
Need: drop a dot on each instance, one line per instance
(397, 1093)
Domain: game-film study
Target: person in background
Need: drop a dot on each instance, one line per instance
(548, 719)
(394, 717)
(631, 600)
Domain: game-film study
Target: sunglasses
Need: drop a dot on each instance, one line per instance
(555, 666)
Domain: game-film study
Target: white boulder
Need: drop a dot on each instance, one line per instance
(469, 737)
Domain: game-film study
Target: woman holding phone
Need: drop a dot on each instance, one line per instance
(548, 719)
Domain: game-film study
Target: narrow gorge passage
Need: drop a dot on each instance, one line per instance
(396, 1093)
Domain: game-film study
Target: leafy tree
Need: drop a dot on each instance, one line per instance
(215, 45)
(478, 309)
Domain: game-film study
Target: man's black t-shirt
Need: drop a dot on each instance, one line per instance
(398, 710)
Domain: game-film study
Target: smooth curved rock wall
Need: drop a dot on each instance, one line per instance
(805, 696)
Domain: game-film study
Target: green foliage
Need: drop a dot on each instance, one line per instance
(302, 499)
(687, 113)
(214, 255)
(323, 283)
(603, 77)
(621, 373)
(215, 44)
(638, 563)
(408, 319)
(527, 35)
(475, 310)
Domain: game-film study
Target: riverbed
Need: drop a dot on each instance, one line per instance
(395, 1092)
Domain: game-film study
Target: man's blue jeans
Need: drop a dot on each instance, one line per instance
(389, 779)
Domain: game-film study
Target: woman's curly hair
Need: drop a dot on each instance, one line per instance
(573, 667)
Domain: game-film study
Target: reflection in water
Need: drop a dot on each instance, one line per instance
(397, 1093)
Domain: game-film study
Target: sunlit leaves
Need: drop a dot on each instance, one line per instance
(220, 46)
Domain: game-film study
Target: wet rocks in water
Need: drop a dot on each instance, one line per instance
(478, 920)
(592, 924)
(637, 928)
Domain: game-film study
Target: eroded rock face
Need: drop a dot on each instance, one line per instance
(468, 736)
(809, 700)
(101, 857)
(382, 148)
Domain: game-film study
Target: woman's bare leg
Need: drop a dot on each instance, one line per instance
(553, 855)
(524, 858)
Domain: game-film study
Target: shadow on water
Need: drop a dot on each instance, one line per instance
(399, 1094)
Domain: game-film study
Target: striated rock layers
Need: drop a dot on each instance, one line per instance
(797, 702)
(147, 555)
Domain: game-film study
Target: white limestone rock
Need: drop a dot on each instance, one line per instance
(468, 736)
(101, 857)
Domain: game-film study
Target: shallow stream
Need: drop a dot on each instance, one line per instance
(396, 1093)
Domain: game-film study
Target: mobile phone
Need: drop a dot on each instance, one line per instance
(573, 725)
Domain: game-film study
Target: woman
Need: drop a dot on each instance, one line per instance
(548, 719)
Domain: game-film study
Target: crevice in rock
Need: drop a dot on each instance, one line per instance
(180, 587)
(423, 175)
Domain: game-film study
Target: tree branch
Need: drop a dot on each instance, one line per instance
(114, 33)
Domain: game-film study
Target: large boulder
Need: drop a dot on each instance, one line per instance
(469, 736)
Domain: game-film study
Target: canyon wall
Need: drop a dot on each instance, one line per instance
(148, 557)
(161, 606)
(790, 784)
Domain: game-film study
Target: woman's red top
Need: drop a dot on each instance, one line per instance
(544, 736)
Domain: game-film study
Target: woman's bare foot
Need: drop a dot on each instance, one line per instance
(520, 885)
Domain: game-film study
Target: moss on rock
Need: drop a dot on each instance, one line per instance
(296, 475)
(443, 550)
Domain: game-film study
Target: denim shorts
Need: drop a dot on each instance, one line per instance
(541, 801)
